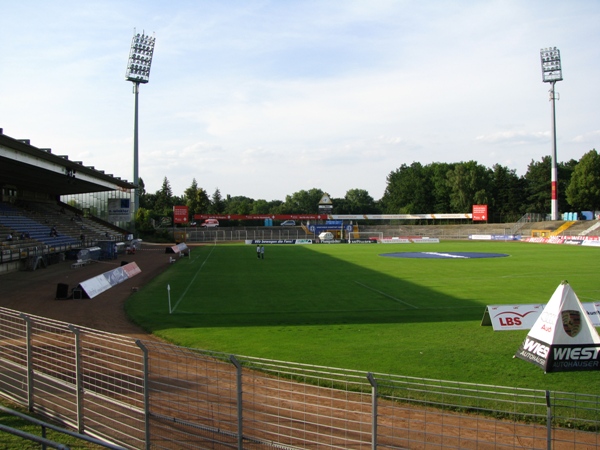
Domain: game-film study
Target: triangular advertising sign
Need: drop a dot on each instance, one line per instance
(563, 338)
(325, 200)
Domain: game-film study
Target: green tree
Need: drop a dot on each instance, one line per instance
(507, 198)
(537, 189)
(190, 195)
(147, 200)
(469, 183)
(583, 192)
(261, 207)
(358, 201)
(303, 202)
(565, 172)
(538, 184)
(238, 205)
(217, 205)
(141, 188)
(437, 173)
(196, 199)
(340, 206)
(275, 207)
(408, 191)
(143, 221)
(164, 200)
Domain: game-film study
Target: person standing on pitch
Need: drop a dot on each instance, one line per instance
(258, 251)
(262, 251)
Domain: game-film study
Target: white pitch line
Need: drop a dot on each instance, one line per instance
(193, 278)
(594, 299)
(386, 295)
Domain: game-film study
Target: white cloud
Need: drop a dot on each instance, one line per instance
(263, 98)
(515, 138)
(592, 137)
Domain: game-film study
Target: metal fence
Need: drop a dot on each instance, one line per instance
(446, 232)
(148, 394)
(288, 233)
(242, 234)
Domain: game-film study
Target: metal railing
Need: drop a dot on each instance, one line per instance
(273, 233)
(237, 234)
(149, 394)
(525, 219)
(49, 426)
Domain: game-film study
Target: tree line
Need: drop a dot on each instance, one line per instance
(411, 189)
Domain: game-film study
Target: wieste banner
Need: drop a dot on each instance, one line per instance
(563, 337)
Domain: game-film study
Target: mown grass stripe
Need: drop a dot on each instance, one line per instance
(386, 295)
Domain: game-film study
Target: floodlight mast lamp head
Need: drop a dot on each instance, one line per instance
(551, 66)
(140, 58)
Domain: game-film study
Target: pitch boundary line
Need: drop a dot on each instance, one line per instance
(193, 279)
(332, 311)
(386, 295)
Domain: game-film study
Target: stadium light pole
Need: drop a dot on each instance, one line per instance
(138, 72)
(551, 73)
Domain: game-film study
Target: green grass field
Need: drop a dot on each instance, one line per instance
(10, 441)
(346, 306)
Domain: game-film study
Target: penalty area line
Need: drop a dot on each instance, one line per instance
(192, 280)
(386, 295)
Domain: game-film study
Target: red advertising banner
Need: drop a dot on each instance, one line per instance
(261, 216)
(480, 213)
(180, 214)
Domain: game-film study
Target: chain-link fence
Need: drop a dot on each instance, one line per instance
(149, 394)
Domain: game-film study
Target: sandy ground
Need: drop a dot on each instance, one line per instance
(34, 292)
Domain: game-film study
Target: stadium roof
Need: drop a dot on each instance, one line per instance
(37, 169)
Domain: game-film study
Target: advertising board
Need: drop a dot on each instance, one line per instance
(480, 213)
(180, 214)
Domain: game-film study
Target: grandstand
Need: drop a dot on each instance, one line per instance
(38, 209)
(463, 231)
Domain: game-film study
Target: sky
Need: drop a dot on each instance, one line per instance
(263, 99)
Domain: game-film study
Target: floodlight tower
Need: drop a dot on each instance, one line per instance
(138, 71)
(551, 73)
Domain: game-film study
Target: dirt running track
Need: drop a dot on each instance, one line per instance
(35, 293)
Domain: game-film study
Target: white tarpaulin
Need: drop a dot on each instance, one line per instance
(523, 317)
(563, 337)
(511, 317)
(103, 282)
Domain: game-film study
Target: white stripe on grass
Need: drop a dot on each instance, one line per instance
(193, 279)
(592, 299)
(386, 295)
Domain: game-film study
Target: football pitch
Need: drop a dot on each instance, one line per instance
(348, 306)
